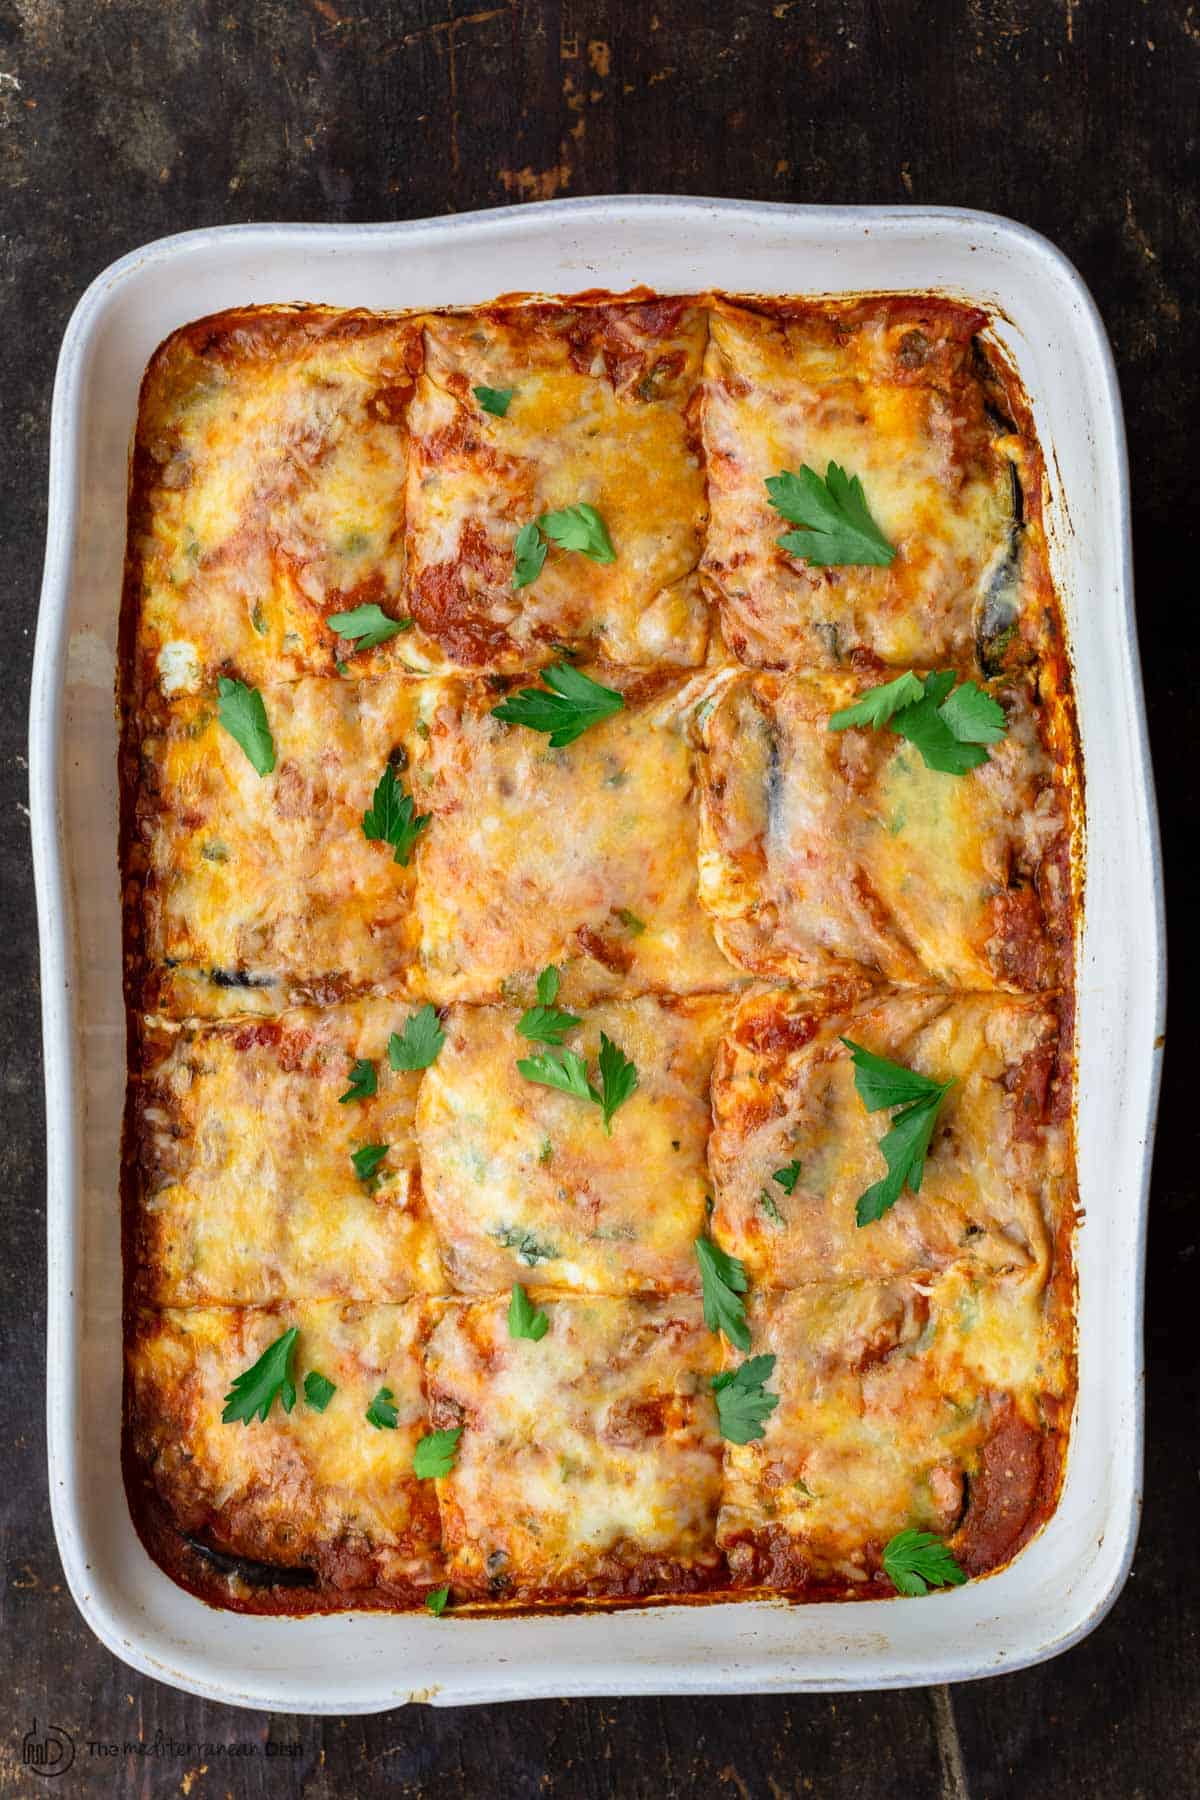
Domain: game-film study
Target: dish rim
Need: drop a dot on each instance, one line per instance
(57, 949)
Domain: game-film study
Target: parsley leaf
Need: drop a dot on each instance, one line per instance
(723, 1280)
(904, 1149)
(788, 1177)
(838, 527)
(524, 1318)
(883, 1084)
(769, 1207)
(369, 626)
(382, 1412)
(494, 400)
(546, 1024)
(618, 1079)
(363, 1082)
(529, 553)
(547, 985)
(579, 528)
(422, 1040)
(435, 1600)
(631, 922)
(367, 1159)
(949, 729)
(915, 1561)
(241, 711)
(925, 726)
(567, 1072)
(318, 1390)
(392, 818)
(254, 1391)
(973, 716)
(878, 704)
(566, 707)
(435, 1453)
(742, 1402)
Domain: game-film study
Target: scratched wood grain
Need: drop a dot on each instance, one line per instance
(125, 120)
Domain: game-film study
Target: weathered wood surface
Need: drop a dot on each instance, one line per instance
(124, 119)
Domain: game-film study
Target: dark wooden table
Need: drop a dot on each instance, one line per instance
(124, 120)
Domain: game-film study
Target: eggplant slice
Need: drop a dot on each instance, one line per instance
(998, 607)
(254, 1574)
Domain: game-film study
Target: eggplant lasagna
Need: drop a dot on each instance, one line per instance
(600, 812)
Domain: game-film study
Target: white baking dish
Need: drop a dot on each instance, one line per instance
(1063, 1583)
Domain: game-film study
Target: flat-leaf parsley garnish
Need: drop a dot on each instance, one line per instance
(367, 626)
(435, 1453)
(915, 1561)
(569, 704)
(392, 817)
(318, 1390)
(363, 1082)
(949, 729)
(367, 1159)
(577, 528)
(529, 554)
(381, 1413)
(882, 1084)
(420, 1043)
(742, 1402)
(255, 1390)
(546, 1023)
(836, 523)
(494, 400)
(723, 1280)
(566, 1070)
(240, 710)
(525, 1320)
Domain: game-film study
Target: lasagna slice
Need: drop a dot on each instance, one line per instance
(241, 1143)
(255, 892)
(895, 392)
(907, 1404)
(589, 1462)
(524, 1183)
(309, 1510)
(840, 858)
(267, 494)
(584, 856)
(532, 410)
(793, 1146)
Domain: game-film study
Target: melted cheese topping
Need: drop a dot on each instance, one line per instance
(294, 463)
(321, 1488)
(883, 389)
(584, 857)
(523, 1181)
(841, 857)
(588, 1459)
(996, 1181)
(888, 1395)
(248, 1192)
(599, 415)
(264, 888)
(270, 470)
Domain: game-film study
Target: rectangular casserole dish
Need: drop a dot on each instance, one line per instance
(1065, 1580)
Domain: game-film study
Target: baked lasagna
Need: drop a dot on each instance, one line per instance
(600, 859)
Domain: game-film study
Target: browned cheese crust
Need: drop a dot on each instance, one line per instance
(327, 1132)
